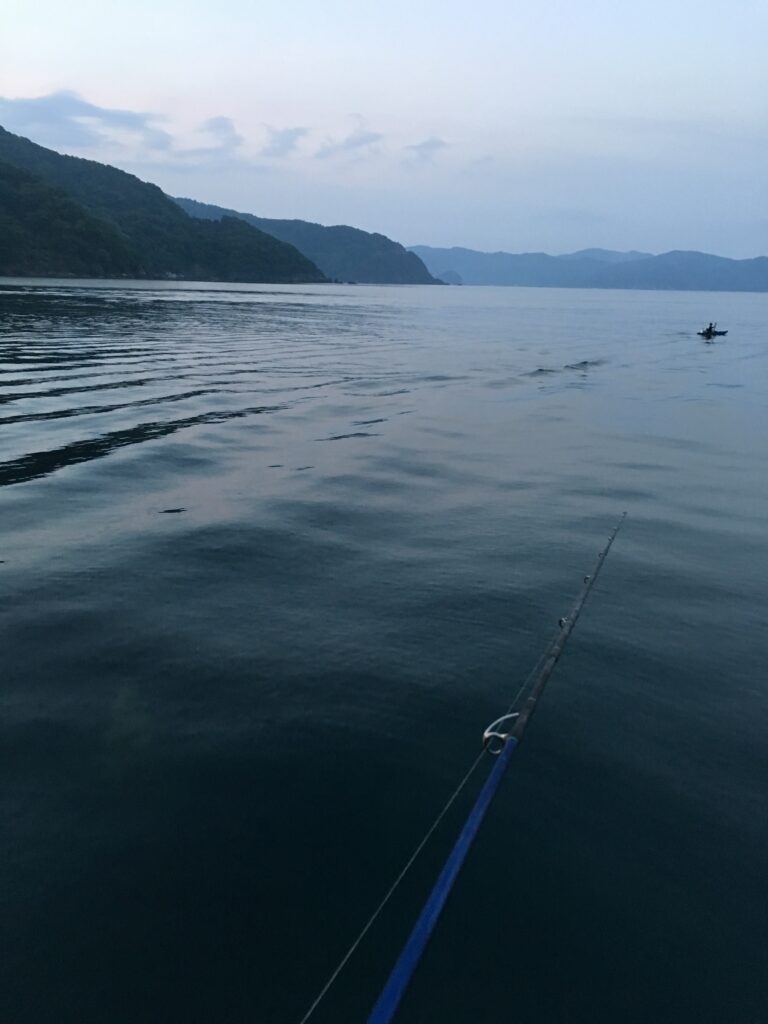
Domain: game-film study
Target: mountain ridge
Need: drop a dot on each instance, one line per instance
(681, 270)
(606, 255)
(343, 253)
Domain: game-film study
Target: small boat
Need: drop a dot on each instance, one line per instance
(711, 332)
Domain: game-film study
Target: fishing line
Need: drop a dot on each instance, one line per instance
(393, 888)
(411, 860)
(503, 744)
(494, 742)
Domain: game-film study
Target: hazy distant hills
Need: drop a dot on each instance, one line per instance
(598, 268)
(342, 253)
(73, 217)
(607, 255)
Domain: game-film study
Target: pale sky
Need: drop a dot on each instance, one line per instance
(547, 126)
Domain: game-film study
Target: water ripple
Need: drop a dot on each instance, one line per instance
(43, 463)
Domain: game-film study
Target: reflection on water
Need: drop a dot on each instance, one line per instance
(272, 558)
(36, 464)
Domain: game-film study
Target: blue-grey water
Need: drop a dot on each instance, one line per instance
(270, 561)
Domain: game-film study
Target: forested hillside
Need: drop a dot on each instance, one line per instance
(342, 253)
(156, 238)
(44, 231)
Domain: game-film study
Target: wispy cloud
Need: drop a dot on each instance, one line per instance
(358, 140)
(282, 142)
(68, 122)
(65, 119)
(221, 141)
(224, 132)
(427, 149)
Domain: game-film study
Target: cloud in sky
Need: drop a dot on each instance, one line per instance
(357, 141)
(282, 142)
(224, 132)
(222, 142)
(65, 119)
(427, 149)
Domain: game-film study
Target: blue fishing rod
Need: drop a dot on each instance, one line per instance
(503, 744)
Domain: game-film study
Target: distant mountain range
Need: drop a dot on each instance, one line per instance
(64, 215)
(342, 253)
(597, 268)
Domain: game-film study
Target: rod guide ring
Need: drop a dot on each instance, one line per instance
(493, 739)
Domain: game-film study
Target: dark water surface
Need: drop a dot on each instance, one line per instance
(272, 558)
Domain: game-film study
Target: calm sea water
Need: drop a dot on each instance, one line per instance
(272, 558)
